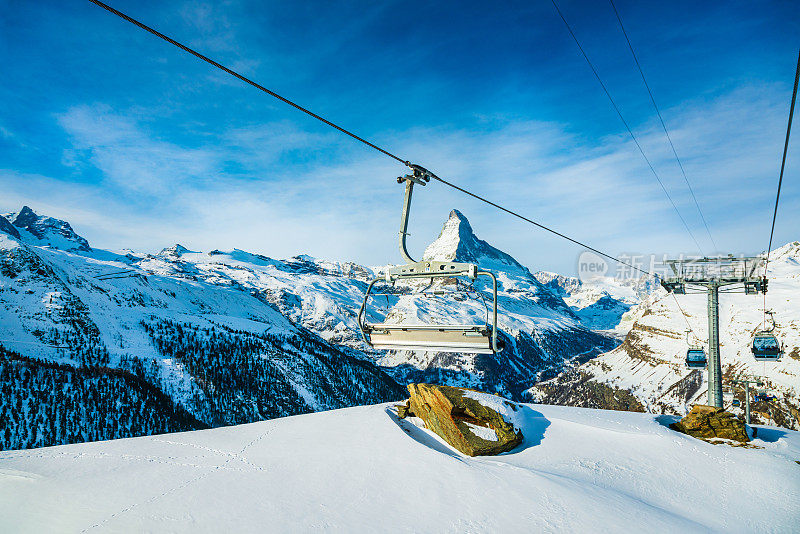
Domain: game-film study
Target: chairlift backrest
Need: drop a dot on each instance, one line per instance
(473, 338)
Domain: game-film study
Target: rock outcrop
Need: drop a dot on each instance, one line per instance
(710, 422)
(464, 418)
(46, 230)
(576, 388)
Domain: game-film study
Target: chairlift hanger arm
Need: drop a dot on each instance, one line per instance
(419, 175)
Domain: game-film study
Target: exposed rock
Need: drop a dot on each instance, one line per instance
(54, 232)
(578, 389)
(176, 250)
(8, 228)
(710, 422)
(403, 410)
(463, 421)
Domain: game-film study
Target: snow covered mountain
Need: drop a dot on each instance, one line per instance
(194, 353)
(363, 470)
(601, 303)
(650, 363)
(43, 230)
(212, 338)
(230, 336)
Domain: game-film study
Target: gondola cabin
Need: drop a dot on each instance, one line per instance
(766, 347)
(696, 359)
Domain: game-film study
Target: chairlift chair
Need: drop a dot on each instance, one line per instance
(471, 338)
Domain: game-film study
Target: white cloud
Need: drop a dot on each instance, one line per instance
(294, 191)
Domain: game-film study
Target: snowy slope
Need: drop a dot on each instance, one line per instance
(542, 333)
(601, 302)
(362, 470)
(650, 363)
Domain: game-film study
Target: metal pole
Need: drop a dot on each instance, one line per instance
(404, 221)
(714, 364)
(747, 402)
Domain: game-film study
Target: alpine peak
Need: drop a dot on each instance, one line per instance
(457, 242)
(175, 250)
(53, 232)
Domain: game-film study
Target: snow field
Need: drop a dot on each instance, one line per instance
(363, 470)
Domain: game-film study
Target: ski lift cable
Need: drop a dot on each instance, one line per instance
(361, 139)
(559, 234)
(783, 161)
(627, 126)
(780, 178)
(242, 78)
(663, 124)
(685, 318)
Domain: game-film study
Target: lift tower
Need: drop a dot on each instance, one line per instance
(715, 275)
(747, 383)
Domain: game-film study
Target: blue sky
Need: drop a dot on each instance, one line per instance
(140, 145)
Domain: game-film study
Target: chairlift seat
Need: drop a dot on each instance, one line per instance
(480, 339)
(440, 338)
(471, 338)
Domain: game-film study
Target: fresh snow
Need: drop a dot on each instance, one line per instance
(500, 405)
(363, 470)
(255, 293)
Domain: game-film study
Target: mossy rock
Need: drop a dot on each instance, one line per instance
(710, 422)
(459, 420)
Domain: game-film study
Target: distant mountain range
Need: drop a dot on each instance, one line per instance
(197, 339)
(222, 337)
(647, 370)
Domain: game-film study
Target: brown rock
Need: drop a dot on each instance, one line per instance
(404, 410)
(447, 412)
(709, 422)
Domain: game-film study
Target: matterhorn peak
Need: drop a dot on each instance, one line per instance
(457, 242)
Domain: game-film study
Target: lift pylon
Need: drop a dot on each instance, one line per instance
(712, 275)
